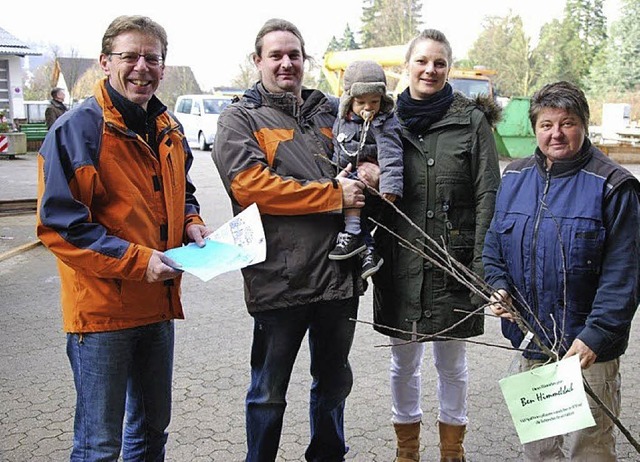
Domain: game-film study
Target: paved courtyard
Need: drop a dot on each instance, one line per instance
(212, 364)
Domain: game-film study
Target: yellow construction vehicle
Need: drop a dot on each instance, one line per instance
(471, 82)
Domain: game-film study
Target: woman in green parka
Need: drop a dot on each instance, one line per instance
(451, 175)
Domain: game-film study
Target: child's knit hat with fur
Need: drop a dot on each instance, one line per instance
(360, 78)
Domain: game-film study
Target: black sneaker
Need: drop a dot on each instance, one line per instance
(371, 263)
(347, 245)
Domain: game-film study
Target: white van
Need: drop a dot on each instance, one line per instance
(198, 114)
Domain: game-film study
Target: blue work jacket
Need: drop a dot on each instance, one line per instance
(564, 242)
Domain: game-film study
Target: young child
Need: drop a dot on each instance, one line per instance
(366, 110)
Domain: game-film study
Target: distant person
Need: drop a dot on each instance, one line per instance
(366, 109)
(451, 175)
(564, 249)
(56, 107)
(114, 193)
(273, 148)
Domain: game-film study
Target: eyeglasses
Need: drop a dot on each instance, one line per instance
(131, 57)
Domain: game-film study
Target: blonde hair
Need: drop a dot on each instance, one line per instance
(430, 34)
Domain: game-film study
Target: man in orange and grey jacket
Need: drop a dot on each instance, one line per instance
(273, 148)
(113, 194)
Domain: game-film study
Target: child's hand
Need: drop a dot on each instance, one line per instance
(389, 197)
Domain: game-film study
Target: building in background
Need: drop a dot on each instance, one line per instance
(12, 51)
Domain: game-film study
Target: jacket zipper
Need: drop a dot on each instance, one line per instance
(171, 310)
(169, 161)
(304, 124)
(130, 134)
(534, 250)
(171, 171)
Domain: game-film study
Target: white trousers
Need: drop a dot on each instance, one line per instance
(450, 359)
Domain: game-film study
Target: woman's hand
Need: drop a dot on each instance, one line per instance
(586, 354)
(499, 300)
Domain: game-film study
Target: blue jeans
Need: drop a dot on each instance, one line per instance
(127, 370)
(277, 336)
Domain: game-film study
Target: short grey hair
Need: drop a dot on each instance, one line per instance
(560, 95)
(142, 24)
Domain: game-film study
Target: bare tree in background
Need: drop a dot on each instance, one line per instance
(247, 74)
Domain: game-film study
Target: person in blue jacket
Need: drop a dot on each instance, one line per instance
(563, 249)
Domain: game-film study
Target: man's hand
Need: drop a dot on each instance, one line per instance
(499, 300)
(390, 197)
(369, 173)
(352, 190)
(196, 233)
(160, 268)
(586, 354)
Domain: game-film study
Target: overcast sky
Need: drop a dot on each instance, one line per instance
(214, 37)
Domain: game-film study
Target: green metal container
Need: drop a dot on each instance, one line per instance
(513, 134)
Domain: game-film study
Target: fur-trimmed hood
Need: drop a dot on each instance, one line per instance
(492, 110)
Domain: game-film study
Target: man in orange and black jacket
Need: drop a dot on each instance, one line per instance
(273, 148)
(113, 194)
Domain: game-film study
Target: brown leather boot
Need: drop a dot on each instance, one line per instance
(408, 436)
(451, 438)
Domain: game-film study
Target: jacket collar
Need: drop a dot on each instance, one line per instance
(112, 110)
(288, 103)
(459, 113)
(134, 117)
(58, 104)
(130, 118)
(568, 167)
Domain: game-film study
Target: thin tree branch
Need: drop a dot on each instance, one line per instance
(443, 260)
(436, 336)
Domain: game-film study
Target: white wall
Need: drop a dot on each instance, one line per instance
(16, 95)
